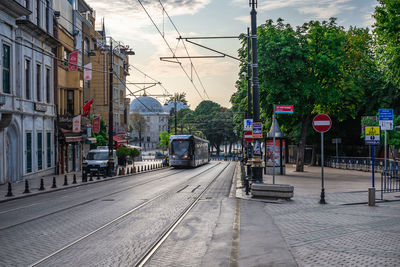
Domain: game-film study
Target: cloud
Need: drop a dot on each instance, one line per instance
(244, 19)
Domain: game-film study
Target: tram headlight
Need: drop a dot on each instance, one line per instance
(185, 156)
(173, 156)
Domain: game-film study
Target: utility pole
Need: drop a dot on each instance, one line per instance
(248, 152)
(110, 116)
(175, 116)
(257, 162)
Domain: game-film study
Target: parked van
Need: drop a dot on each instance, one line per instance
(96, 161)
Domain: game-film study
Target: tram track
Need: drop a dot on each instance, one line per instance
(129, 212)
(86, 202)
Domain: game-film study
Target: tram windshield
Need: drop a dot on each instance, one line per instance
(180, 147)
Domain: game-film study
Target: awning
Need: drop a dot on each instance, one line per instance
(91, 140)
(120, 139)
(71, 139)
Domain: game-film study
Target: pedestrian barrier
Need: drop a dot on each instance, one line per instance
(41, 188)
(65, 181)
(390, 181)
(54, 183)
(26, 187)
(360, 164)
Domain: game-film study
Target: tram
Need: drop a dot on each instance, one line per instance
(188, 151)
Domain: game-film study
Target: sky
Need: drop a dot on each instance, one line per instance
(127, 21)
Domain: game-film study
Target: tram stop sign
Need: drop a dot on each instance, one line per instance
(322, 123)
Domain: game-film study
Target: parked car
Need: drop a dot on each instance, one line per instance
(96, 161)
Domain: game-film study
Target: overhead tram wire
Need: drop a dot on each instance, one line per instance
(177, 61)
(184, 45)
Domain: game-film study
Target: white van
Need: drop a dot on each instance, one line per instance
(96, 161)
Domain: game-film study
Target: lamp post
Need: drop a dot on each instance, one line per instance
(126, 51)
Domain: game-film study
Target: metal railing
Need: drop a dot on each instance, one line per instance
(361, 164)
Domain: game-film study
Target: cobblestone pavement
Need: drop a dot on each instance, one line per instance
(344, 232)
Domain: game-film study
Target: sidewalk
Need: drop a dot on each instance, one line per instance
(342, 187)
(18, 188)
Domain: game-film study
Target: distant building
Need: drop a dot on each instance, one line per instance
(156, 121)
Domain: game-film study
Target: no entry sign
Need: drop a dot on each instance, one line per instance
(322, 123)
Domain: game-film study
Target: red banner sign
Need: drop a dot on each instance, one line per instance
(284, 109)
(73, 61)
(96, 125)
(248, 136)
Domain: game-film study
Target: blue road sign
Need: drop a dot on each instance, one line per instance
(385, 114)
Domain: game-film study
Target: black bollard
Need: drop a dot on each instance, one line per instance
(91, 177)
(54, 183)
(98, 175)
(26, 187)
(74, 180)
(65, 180)
(41, 188)
(9, 191)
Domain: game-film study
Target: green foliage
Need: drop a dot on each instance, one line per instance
(123, 152)
(164, 140)
(179, 97)
(387, 28)
(102, 136)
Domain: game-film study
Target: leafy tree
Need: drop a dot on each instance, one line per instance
(386, 30)
(164, 140)
(318, 67)
(178, 97)
(138, 122)
(102, 136)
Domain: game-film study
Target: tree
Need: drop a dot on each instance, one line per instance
(178, 97)
(318, 68)
(386, 33)
(138, 122)
(102, 136)
(164, 140)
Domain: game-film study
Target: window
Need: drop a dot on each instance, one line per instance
(6, 69)
(38, 81)
(27, 79)
(70, 102)
(39, 151)
(38, 12)
(28, 6)
(48, 85)
(86, 47)
(148, 138)
(48, 152)
(47, 16)
(28, 152)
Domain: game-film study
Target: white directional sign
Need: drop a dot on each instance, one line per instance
(248, 125)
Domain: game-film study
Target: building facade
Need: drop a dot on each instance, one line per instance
(26, 100)
(156, 120)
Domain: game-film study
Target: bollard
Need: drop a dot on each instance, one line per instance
(98, 175)
(122, 171)
(74, 179)
(119, 171)
(54, 183)
(91, 177)
(26, 187)
(371, 196)
(9, 191)
(41, 188)
(84, 177)
(133, 169)
(65, 180)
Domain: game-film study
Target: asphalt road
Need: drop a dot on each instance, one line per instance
(115, 223)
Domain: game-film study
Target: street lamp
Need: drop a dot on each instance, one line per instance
(127, 51)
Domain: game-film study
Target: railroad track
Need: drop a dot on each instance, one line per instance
(151, 250)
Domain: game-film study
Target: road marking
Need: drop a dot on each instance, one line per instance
(19, 208)
(235, 248)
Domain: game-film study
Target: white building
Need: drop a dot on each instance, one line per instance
(156, 121)
(27, 110)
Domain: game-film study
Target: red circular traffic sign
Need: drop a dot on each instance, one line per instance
(322, 123)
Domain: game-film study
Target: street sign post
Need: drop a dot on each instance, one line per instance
(386, 124)
(257, 130)
(322, 123)
(247, 124)
(373, 138)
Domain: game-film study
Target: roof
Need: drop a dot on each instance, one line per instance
(146, 104)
